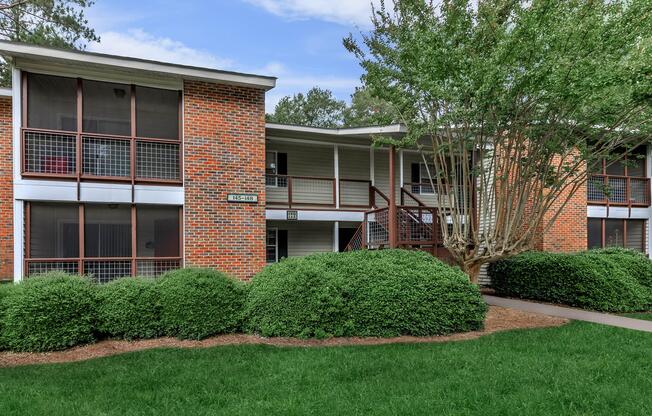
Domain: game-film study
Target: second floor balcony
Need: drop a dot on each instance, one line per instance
(618, 190)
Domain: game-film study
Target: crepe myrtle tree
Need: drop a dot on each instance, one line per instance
(510, 103)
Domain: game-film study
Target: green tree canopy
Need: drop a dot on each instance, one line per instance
(514, 98)
(318, 108)
(59, 23)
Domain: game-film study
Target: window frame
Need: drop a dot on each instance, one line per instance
(625, 221)
(80, 136)
(275, 182)
(421, 180)
(82, 258)
(267, 245)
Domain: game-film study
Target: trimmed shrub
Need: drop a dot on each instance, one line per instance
(363, 293)
(5, 290)
(129, 308)
(598, 280)
(635, 263)
(198, 303)
(53, 311)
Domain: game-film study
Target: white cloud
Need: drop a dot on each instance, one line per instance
(357, 12)
(140, 44)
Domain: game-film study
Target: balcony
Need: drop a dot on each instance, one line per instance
(66, 155)
(310, 191)
(617, 190)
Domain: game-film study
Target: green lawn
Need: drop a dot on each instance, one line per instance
(646, 316)
(576, 369)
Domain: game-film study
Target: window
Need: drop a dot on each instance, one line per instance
(276, 169)
(54, 230)
(603, 232)
(272, 245)
(51, 102)
(107, 108)
(108, 231)
(158, 231)
(421, 178)
(157, 113)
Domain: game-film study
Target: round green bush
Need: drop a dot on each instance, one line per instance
(5, 290)
(53, 311)
(637, 264)
(198, 303)
(381, 293)
(591, 280)
(129, 308)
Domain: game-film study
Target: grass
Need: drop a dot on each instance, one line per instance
(646, 316)
(577, 369)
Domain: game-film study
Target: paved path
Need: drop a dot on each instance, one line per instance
(570, 313)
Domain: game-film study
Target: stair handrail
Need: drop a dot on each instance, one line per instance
(411, 195)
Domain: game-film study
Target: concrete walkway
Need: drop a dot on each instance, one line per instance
(570, 313)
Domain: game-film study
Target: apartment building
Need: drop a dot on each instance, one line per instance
(114, 166)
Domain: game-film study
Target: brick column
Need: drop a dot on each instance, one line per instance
(6, 192)
(224, 152)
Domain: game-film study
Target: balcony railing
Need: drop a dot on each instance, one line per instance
(618, 190)
(104, 269)
(312, 191)
(66, 155)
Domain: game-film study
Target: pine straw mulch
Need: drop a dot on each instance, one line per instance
(498, 319)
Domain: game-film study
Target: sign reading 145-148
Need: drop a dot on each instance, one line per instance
(248, 198)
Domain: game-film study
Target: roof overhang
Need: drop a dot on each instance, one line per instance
(351, 133)
(41, 54)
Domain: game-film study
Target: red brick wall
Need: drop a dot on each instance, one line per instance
(569, 232)
(6, 192)
(224, 152)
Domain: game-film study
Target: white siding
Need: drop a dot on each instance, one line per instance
(306, 237)
(354, 164)
(305, 160)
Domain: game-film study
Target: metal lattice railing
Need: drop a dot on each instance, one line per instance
(377, 227)
(416, 225)
(104, 271)
(49, 153)
(156, 160)
(35, 267)
(106, 157)
(618, 190)
(154, 268)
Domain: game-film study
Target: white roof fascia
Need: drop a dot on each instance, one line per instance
(23, 50)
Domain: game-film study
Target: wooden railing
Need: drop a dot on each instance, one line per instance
(618, 190)
(316, 191)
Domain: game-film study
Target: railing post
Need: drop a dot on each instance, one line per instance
(371, 196)
(363, 237)
(393, 226)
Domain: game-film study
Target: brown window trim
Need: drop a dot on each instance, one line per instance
(79, 134)
(82, 258)
(625, 221)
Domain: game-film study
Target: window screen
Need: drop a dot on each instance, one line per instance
(108, 231)
(157, 113)
(54, 231)
(614, 233)
(51, 102)
(157, 233)
(594, 233)
(107, 108)
(636, 234)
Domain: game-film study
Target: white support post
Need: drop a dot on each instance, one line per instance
(372, 168)
(336, 236)
(336, 162)
(648, 172)
(400, 166)
(18, 206)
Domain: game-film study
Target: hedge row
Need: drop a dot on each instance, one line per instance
(365, 293)
(57, 311)
(609, 280)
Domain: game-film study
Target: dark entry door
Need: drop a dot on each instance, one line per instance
(346, 234)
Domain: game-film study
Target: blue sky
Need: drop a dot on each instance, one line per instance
(299, 41)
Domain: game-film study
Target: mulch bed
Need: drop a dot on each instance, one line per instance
(498, 319)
